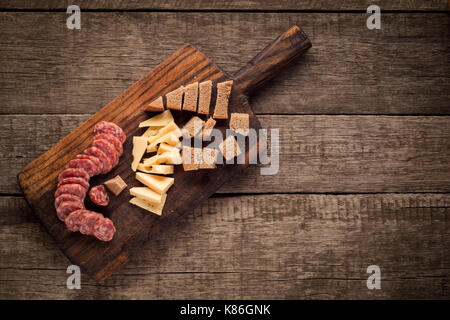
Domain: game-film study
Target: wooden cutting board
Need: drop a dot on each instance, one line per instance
(135, 226)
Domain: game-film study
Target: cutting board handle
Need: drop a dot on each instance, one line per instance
(287, 47)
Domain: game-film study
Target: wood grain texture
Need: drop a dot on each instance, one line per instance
(350, 69)
(249, 246)
(255, 247)
(229, 5)
(317, 153)
(39, 178)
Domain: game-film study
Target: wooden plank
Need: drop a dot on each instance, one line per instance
(401, 69)
(317, 153)
(256, 247)
(230, 5)
(39, 178)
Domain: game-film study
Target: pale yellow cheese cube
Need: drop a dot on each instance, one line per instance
(159, 184)
(147, 194)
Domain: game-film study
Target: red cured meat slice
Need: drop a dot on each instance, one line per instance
(74, 218)
(74, 189)
(67, 207)
(113, 140)
(71, 172)
(104, 229)
(99, 196)
(88, 221)
(96, 152)
(65, 197)
(85, 164)
(108, 149)
(95, 160)
(74, 180)
(111, 128)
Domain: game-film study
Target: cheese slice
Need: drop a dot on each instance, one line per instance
(153, 208)
(139, 147)
(152, 148)
(164, 147)
(191, 158)
(150, 161)
(171, 126)
(151, 131)
(162, 169)
(169, 138)
(147, 194)
(160, 120)
(172, 157)
(156, 168)
(159, 184)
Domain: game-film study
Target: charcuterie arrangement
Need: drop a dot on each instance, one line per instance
(73, 183)
(161, 175)
(161, 137)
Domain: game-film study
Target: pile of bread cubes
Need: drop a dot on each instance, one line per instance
(162, 137)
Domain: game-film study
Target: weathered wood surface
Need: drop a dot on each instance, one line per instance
(266, 246)
(250, 246)
(401, 69)
(317, 153)
(39, 178)
(229, 5)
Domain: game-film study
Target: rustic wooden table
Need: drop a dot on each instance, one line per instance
(365, 147)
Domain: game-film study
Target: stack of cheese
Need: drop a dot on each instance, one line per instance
(162, 137)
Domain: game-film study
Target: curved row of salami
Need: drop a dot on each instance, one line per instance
(73, 183)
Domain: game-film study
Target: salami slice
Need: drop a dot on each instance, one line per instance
(72, 172)
(96, 152)
(74, 189)
(88, 221)
(108, 149)
(113, 140)
(111, 128)
(104, 229)
(85, 164)
(65, 197)
(95, 160)
(67, 207)
(74, 180)
(99, 196)
(74, 218)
